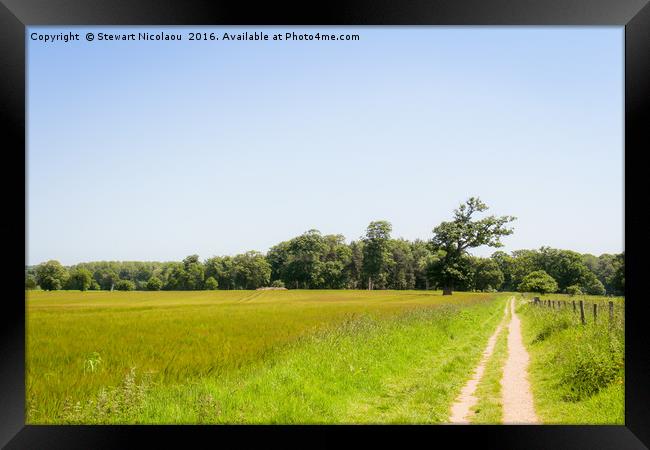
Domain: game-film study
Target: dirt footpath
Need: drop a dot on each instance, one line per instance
(517, 397)
(461, 409)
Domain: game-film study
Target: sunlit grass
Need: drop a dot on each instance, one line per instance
(577, 371)
(222, 348)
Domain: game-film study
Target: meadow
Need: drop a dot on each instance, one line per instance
(297, 356)
(577, 371)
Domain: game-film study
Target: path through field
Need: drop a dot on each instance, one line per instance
(517, 397)
(461, 409)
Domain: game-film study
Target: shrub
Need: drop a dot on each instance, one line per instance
(154, 284)
(211, 284)
(538, 281)
(278, 284)
(125, 285)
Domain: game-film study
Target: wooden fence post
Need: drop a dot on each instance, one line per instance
(611, 311)
(552, 304)
(595, 312)
(582, 312)
(574, 305)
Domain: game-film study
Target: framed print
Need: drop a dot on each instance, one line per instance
(367, 220)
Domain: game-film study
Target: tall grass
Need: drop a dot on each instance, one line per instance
(577, 371)
(242, 356)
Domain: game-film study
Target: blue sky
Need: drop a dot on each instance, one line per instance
(158, 150)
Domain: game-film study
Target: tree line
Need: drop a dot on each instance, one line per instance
(374, 261)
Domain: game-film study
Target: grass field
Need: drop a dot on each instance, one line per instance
(577, 371)
(252, 356)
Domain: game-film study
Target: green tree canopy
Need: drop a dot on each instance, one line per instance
(376, 252)
(538, 281)
(51, 275)
(80, 279)
(125, 285)
(154, 284)
(455, 237)
(211, 284)
(487, 275)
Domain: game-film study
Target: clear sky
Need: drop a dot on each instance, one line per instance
(157, 150)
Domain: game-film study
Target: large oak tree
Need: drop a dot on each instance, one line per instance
(453, 239)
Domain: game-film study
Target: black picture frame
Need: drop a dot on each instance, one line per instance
(16, 15)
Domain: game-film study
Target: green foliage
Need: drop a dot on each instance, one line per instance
(591, 285)
(277, 284)
(574, 290)
(154, 284)
(106, 278)
(30, 281)
(618, 279)
(592, 367)
(211, 284)
(80, 279)
(125, 285)
(487, 275)
(454, 238)
(538, 281)
(251, 270)
(193, 273)
(376, 252)
(577, 371)
(51, 275)
(315, 261)
(450, 272)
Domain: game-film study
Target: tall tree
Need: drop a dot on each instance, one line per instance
(51, 275)
(487, 275)
(454, 238)
(354, 269)
(401, 268)
(421, 257)
(80, 279)
(506, 264)
(251, 270)
(618, 279)
(304, 266)
(376, 251)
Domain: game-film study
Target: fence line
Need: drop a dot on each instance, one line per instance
(557, 305)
